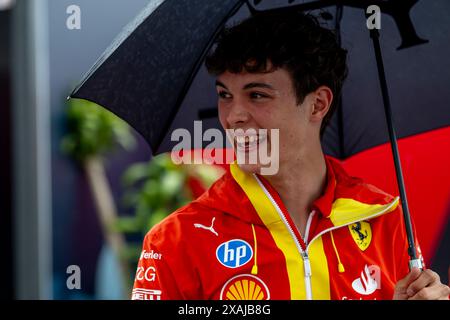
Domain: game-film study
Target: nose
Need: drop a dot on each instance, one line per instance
(237, 114)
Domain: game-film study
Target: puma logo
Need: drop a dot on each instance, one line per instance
(211, 228)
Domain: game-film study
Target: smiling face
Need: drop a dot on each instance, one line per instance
(268, 101)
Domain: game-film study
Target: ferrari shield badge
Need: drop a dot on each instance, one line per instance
(361, 233)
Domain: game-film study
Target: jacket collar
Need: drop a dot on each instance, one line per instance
(344, 200)
(324, 203)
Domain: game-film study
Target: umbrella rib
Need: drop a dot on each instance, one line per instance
(320, 4)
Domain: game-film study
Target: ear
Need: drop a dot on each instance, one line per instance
(322, 99)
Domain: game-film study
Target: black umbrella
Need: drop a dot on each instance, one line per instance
(153, 75)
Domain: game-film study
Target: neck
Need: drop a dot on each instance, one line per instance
(299, 183)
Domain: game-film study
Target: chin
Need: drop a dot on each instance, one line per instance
(250, 168)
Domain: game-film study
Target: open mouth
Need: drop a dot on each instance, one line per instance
(247, 143)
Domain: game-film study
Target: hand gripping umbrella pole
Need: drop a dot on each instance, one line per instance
(414, 261)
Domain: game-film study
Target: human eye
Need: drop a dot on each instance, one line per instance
(223, 94)
(258, 95)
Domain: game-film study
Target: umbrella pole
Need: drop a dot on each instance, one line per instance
(414, 261)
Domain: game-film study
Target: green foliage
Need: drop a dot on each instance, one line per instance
(155, 189)
(94, 131)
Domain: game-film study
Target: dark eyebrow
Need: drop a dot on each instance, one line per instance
(248, 85)
(220, 84)
(258, 85)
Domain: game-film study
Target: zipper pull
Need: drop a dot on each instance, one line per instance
(306, 264)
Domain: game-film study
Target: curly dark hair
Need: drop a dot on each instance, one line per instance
(291, 40)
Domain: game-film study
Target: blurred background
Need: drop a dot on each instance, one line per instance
(68, 174)
(80, 188)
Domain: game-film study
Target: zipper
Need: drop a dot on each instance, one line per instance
(303, 253)
(308, 226)
(308, 274)
(306, 262)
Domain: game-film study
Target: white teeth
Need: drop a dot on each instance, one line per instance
(248, 140)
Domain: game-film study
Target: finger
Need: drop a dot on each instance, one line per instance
(445, 297)
(446, 294)
(436, 292)
(403, 284)
(425, 279)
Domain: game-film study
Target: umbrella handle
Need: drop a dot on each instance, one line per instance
(414, 262)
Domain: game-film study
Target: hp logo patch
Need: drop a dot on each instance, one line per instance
(234, 253)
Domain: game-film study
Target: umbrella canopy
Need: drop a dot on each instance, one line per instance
(152, 76)
(145, 74)
(417, 77)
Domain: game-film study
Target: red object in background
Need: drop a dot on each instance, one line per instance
(425, 160)
(426, 170)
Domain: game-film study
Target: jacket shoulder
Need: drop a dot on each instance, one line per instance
(348, 186)
(174, 227)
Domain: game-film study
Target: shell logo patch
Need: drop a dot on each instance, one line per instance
(245, 287)
(361, 233)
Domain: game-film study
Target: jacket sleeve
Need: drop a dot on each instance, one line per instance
(402, 267)
(154, 279)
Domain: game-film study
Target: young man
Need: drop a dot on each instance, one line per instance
(310, 231)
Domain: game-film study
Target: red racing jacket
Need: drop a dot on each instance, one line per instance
(238, 242)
